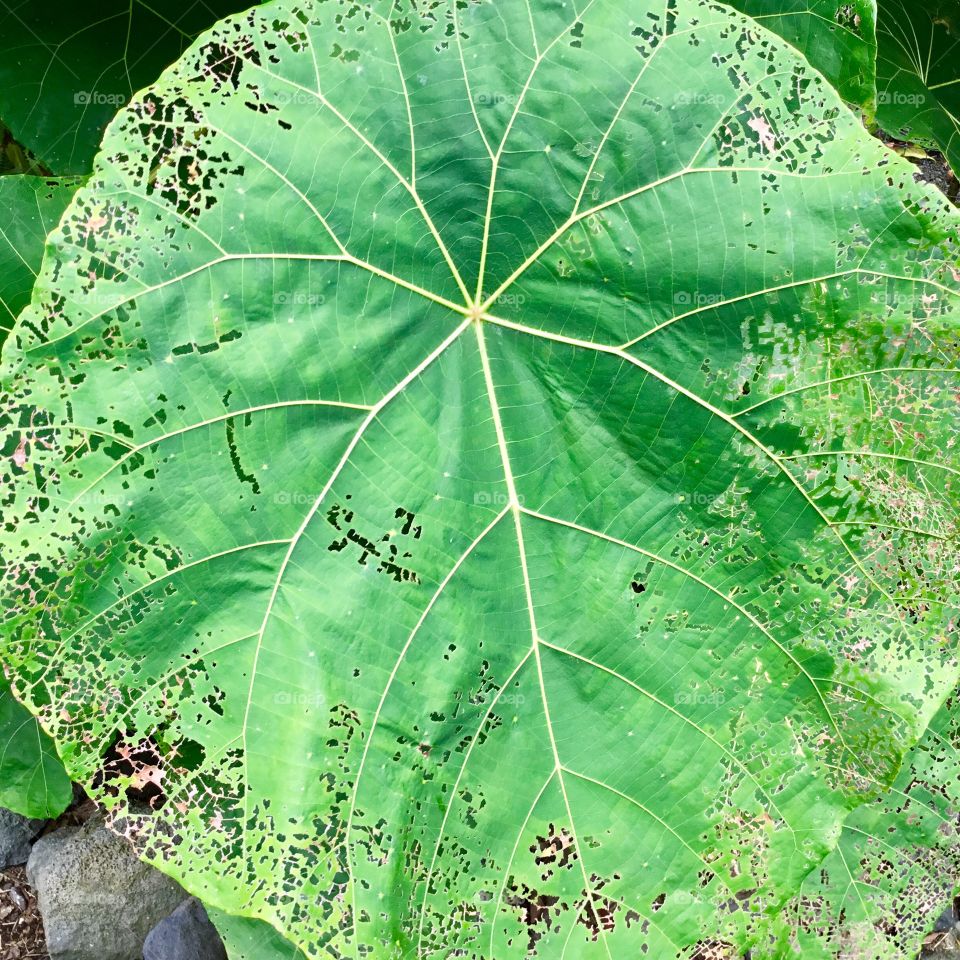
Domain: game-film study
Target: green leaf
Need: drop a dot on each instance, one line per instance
(32, 779)
(247, 939)
(918, 79)
(66, 68)
(32, 206)
(488, 475)
(838, 37)
(895, 868)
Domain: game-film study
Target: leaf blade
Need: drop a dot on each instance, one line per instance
(489, 527)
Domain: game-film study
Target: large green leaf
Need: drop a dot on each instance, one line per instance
(895, 867)
(31, 208)
(918, 74)
(838, 37)
(247, 939)
(487, 475)
(32, 779)
(66, 68)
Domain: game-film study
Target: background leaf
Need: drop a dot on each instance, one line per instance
(247, 939)
(918, 75)
(838, 37)
(571, 404)
(32, 207)
(66, 68)
(32, 779)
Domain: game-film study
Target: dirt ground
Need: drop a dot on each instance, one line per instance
(21, 927)
(931, 166)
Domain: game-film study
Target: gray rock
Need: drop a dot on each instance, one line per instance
(98, 901)
(187, 934)
(946, 921)
(16, 837)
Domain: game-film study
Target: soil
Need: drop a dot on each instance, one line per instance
(21, 927)
(931, 166)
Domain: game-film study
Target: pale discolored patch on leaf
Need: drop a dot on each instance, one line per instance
(484, 498)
